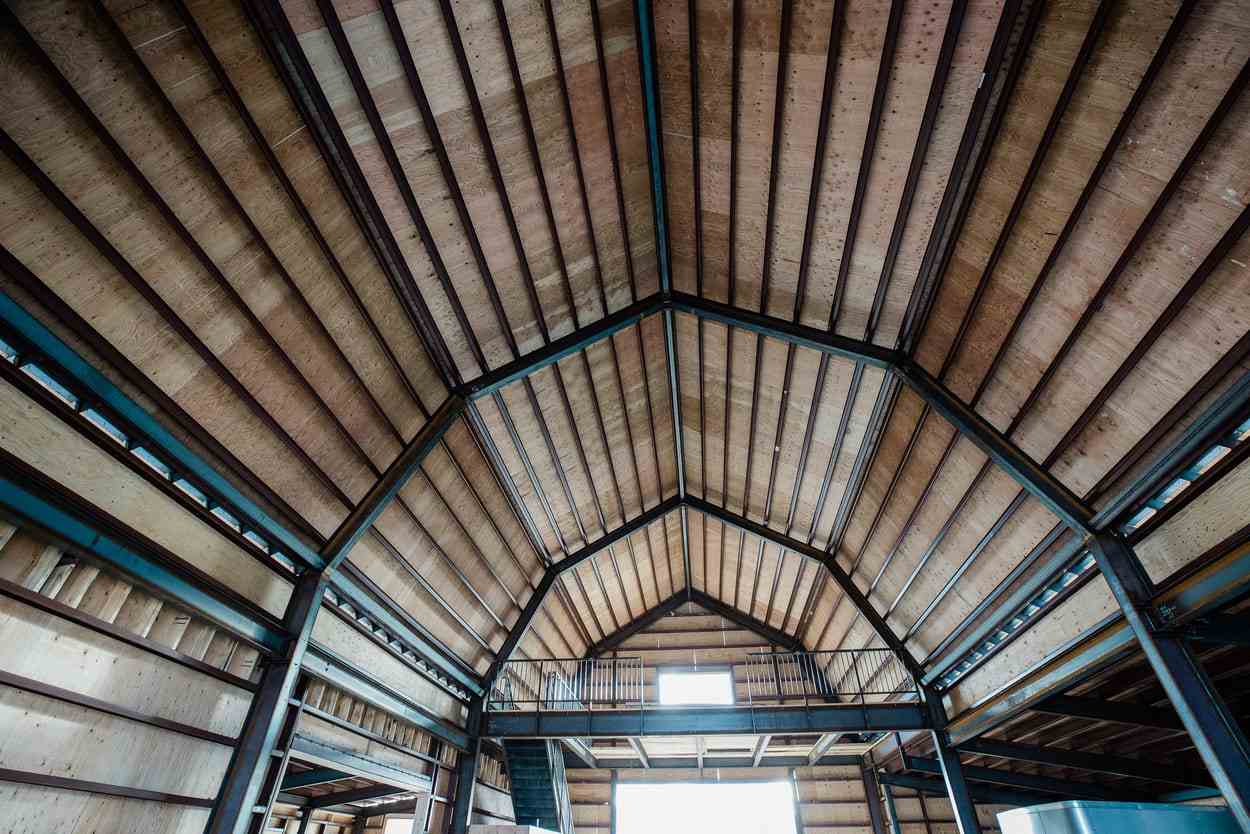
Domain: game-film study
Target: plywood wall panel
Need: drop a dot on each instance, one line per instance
(52, 737)
(1162, 132)
(1059, 36)
(35, 809)
(49, 445)
(45, 648)
(371, 658)
(115, 203)
(1070, 618)
(1212, 517)
(378, 563)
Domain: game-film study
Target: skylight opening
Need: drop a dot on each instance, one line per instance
(696, 688)
(679, 808)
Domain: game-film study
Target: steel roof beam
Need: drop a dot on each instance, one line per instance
(1094, 762)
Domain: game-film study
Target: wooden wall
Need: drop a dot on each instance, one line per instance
(67, 624)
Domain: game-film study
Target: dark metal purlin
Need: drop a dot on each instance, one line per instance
(648, 75)
(279, 41)
(773, 635)
(997, 79)
(1095, 762)
(1028, 781)
(642, 623)
(839, 575)
(1093, 709)
(1213, 729)
(984, 794)
(571, 561)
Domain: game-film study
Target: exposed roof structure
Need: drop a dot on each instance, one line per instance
(835, 313)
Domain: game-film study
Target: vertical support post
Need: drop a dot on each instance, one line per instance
(436, 753)
(890, 811)
(952, 769)
(872, 796)
(358, 824)
(798, 802)
(1215, 732)
(304, 818)
(241, 787)
(466, 772)
(236, 804)
(956, 785)
(612, 805)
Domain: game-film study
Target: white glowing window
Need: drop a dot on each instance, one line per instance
(696, 688)
(732, 808)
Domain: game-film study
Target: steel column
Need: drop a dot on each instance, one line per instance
(240, 789)
(1213, 729)
(890, 811)
(466, 772)
(872, 796)
(952, 773)
(612, 806)
(799, 828)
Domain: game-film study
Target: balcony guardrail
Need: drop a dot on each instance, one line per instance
(572, 684)
(852, 676)
(859, 676)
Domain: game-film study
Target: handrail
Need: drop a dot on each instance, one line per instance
(846, 676)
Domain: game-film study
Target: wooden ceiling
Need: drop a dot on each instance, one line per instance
(305, 224)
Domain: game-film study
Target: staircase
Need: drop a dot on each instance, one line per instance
(540, 793)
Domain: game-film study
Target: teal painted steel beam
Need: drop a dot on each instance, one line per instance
(393, 479)
(342, 585)
(491, 381)
(37, 511)
(324, 665)
(316, 776)
(99, 387)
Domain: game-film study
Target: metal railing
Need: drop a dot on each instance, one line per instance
(597, 683)
(846, 676)
(768, 678)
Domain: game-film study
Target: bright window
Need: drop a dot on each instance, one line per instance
(696, 688)
(399, 826)
(677, 808)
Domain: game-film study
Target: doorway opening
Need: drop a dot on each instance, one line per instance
(726, 808)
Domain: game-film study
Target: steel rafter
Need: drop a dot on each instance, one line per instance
(1212, 727)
